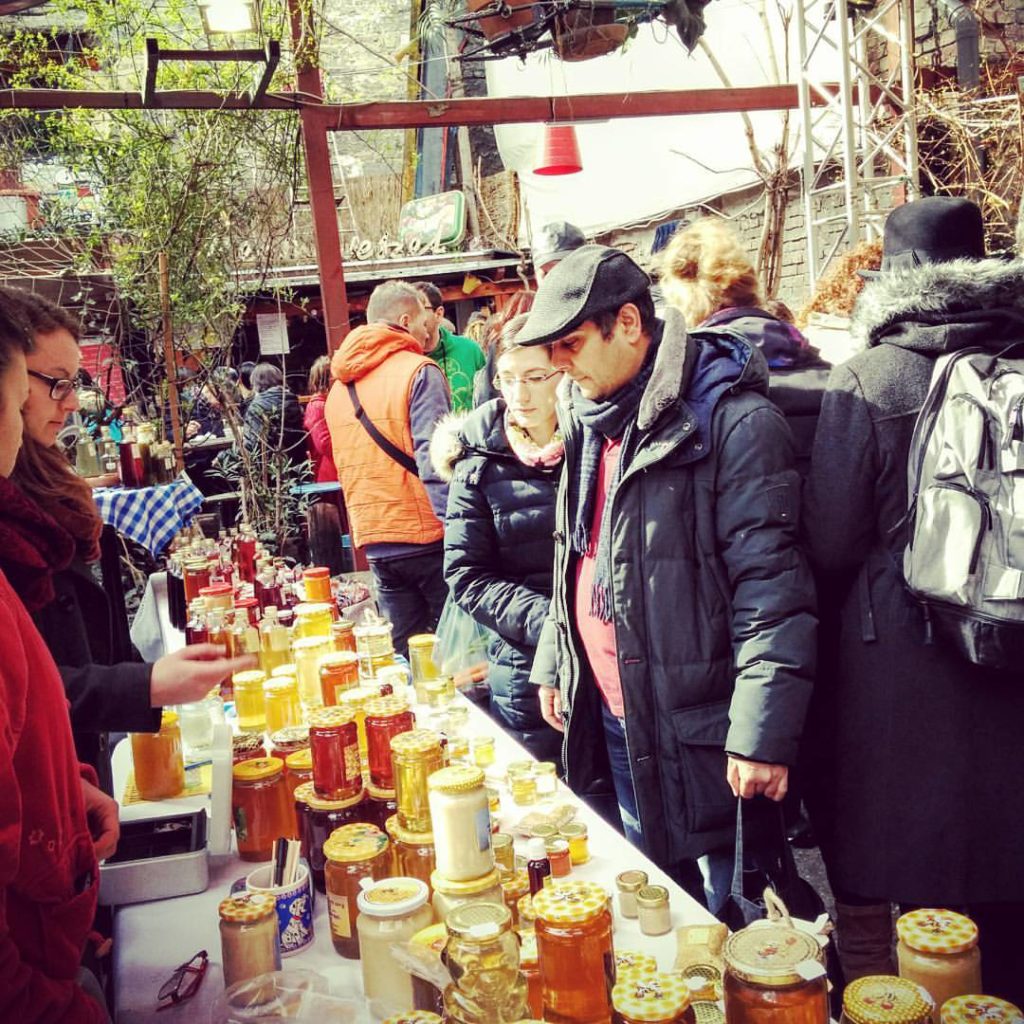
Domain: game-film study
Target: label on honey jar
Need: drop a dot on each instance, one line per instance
(337, 911)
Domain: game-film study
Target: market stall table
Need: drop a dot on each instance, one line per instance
(151, 939)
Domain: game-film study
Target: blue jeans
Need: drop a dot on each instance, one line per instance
(411, 592)
(716, 869)
(622, 776)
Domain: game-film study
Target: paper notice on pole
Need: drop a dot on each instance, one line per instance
(273, 333)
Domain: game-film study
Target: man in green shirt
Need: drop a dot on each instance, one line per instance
(459, 357)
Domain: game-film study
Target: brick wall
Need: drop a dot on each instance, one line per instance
(1003, 27)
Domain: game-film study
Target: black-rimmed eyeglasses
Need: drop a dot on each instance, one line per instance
(60, 387)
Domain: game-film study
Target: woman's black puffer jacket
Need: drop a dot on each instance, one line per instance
(498, 558)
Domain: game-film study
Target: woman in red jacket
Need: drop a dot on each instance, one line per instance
(54, 824)
(320, 453)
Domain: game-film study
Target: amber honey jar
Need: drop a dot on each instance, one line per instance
(334, 744)
(574, 947)
(415, 756)
(652, 999)
(342, 636)
(314, 618)
(774, 973)
(351, 853)
(260, 807)
(939, 950)
(339, 671)
(158, 760)
(412, 852)
(317, 581)
(386, 717)
(354, 701)
(881, 999)
(318, 820)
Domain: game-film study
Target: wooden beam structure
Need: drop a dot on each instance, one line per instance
(401, 114)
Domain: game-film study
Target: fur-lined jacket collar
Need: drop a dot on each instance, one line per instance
(943, 307)
(460, 434)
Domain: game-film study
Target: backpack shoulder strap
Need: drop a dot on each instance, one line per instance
(407, 462)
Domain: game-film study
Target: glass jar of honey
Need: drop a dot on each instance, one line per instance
(774, 971)
(449, 894)
(196, 574)
(249, 942)
(652, 999)
(939, 950)
(530, 966)
(334, 744)
(503, 848)
(391, 911)
(317, 583)
(514, 886)
(289, 740)
(421, 661)
(342, 636)
(281, 705)
(249, 706)
(158, 760)
(314, 618)
(245, 746)
(483, 957)
(629, 883)
(461, 822)
(318, 820)
(217, 595)
(386, 717)
(415, 756)
(307, 652)
(260, 807)
(413, 851)
(354, 701)
(352, 853)
(298, 770)
(980, 1010)
(574, 946)
(339, 671)
(880, 999)
(579, 843)
(380, 805)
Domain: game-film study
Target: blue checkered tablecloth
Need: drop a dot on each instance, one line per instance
(150, 516)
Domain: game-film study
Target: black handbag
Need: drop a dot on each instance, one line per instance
(768, 864)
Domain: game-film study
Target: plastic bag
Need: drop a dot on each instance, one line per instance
(461, 649)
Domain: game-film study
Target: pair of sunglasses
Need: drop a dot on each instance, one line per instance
(184, 982)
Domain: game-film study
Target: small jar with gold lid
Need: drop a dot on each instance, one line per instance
(298, 769)
(579, 844)
(351, 853)
(158, 760)
(461, 822)
(574, 946)
(939, 950)
(774, 970)
(281, 704)
(629, 883)
(413, 851)
(504, 850)
(979, 1010)
(415, 756)
(249, 942)
(881, 999)
(339, 672)
(249, 701)
(652, 999)
(320, 818)
(313, 619)
(449, 894)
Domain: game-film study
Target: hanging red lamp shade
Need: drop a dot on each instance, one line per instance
(559, 151)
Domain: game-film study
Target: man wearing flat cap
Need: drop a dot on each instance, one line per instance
(679, 654)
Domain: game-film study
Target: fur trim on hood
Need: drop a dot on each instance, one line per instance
(936, 293)
(447, 445)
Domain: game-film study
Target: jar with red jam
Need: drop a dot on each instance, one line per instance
(334, 743)
(319, 818)
(386, 717)
(774, 972)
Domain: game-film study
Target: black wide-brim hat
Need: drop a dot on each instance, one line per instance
(590, 280)
(932, 230)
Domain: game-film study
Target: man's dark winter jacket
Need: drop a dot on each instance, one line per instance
(713, 603)
(924, 747)
(262, 424)
(498, 558)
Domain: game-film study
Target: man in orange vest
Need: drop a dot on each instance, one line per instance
(382, 408)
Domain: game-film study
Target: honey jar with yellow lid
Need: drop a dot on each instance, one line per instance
(575, 950)
(652, 999)
(352, 853)
(979, 1010)
(413, 851)
(774, 968)
(415, 756)
(939, 950)
(883, 999)
(249, 941)
(260, 807)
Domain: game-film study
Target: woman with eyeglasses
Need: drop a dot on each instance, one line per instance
(503, 461)
(109, 688)
(54, 822)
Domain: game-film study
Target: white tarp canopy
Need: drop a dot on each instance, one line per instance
(638, 169)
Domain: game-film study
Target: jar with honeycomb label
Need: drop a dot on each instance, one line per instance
(415, 756)
(652, 999)
(352, 853)
(774, 972)
(939, 950)
(881, 999)
(577, 958)
(483, 958)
